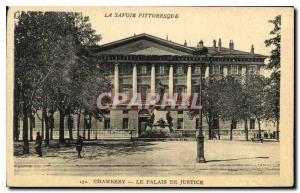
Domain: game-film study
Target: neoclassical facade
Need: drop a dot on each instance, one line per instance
(147, 64)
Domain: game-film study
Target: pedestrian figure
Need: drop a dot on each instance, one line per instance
(151, 120)
(169, 120)
(79, 145)
(38, 144)
(214, 135)
(274, 134)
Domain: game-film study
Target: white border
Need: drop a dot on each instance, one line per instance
(5, 3)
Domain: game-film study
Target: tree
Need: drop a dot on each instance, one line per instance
(231, 101)
(256, 86)
(274, 59)
(28, 71)
(88, 79)
(272, 111)
(272, 102)
(47, 44)
(211, 104)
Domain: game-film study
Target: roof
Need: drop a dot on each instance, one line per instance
(145, 44)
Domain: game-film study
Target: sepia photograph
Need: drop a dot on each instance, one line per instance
(150, 96)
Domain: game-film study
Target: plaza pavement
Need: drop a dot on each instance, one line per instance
(158, 158)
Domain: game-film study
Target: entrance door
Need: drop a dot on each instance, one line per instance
(143, 122)
(144, 89)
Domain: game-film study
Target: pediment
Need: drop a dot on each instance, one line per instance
(153, 51)
(144, 44)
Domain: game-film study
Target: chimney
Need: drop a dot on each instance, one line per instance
(231, 45)
(167, 37)
(214, 43)
(134, 34)
(219, 45)
(252, 49)
(185, 44)
(201, 44)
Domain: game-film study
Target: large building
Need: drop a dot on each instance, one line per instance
(146, 64)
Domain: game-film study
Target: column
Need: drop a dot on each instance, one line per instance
(207, 72)
(244, 74)
(225, 71)
(153, 79)
(134, 80)
(189, 80)
(244, 71)
(261, 70)
(116, 79)
(171, 81)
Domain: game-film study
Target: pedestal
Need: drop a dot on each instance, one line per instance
(200, 149)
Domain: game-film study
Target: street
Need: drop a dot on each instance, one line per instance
(159, 158)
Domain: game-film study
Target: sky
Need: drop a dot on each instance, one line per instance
(245, 26)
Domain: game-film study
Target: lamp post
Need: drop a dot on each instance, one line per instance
(200, 137)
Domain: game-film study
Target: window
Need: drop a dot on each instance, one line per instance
(180, 112)
(252, 123)
(180, 123)
(161, 70)
(179, 89)
(221, 69)
(144, 70)
(179, 70)
(233, 124)
(215, 123)
(126, 91)
(33, 121)
(203, 69)
(216, 69)
(125, 69)
(234, 70)
(125, 123)
(252, 69)
(143, 90)
(197, 70)
(106, 123)
(197, 123)
(125, 112)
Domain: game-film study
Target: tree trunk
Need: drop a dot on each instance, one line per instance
(51, 127)
(84, 127)
(16, 110)
(218, 125)
(16, 122)
(277, 130)
(70, 126)
(209, 122)
(61, 127)
(89, 128)
(259, 128)
(78, 124)
(231, 128)
(43, 128)
(246, 130)
(25, 129)
(16, 125)
(46, 119)
(31, 127)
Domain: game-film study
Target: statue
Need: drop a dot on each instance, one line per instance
(170, 121)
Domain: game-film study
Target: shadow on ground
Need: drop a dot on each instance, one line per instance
(224, 160)
(107, 148)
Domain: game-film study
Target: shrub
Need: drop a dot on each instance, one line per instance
(154, 133)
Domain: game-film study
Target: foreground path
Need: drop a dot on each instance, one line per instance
(155, 159)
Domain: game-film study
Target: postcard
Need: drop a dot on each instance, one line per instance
(150, 97)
